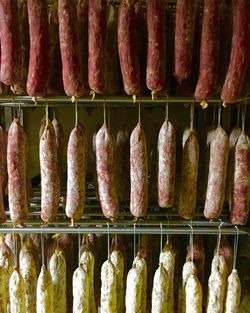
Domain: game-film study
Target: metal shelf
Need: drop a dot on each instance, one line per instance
(112, 101)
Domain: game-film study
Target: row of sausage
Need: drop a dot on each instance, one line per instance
(122, 171)
(82, 46)
(110, 284)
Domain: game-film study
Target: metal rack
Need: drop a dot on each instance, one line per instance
(112, 101)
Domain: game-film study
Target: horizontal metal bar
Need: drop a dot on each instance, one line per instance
(121, 230)
(125, 101)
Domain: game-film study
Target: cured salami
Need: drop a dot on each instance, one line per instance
(50, 182)
(241, 178)
(209, 51)
(10, 43)
(16, 162)
(17, 292)
(133, 290)
(184, 38)
(80, 291)
(44, 292)
(239, 57)
(105, 167)
(77, 163)
(217, 174)
(3, 294)
(3, 216)
(70, 50)
(166, 164)
(38, 73)
(160, 290)
(108, 288)
(96, 45)
(233, 293)
(189, 174)
(138, 172)
(156, 56)
(127, 47)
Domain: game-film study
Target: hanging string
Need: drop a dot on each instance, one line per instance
(219, 237)
(219, 114)
(168, 228)
(161, 239)
(244, 107)
(139, 112)
(47, 113)
(42, 247)
(191, 241)
(15, 246)
(54, 114)
(79, 244)
(134, 240)
(238, 116)
(108, 235)
(214, 114)
(76, 112)
(236, 241)
(104, 113)
(116, 240)
(166, 110)
(192, 116)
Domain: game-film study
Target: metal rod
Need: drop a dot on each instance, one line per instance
(120, 230)
(65, 102)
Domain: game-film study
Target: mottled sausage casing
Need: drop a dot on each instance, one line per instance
(44, 292)
(10, 43)
(108, 288)
(16, 162)
(209, 51)
(239, 57)
(156, 57)
(2, 155)
(233, 293)
(217, 174)
(70, 49)
(138, 172)
(184, 38)
(166, 164)
(82, 16)
(50, 182)
(160, 290)
(127, 47)
(189, 174)
(77, 163)
(241, 188)
(96, 45)
(38, 73)
(105, 167)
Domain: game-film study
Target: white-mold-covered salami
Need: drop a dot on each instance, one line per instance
(233, 293)
(216, 292)
(27, 265)
(160, 291)
(117, 259)
(133, 290)
(193, 293)
(3, 293)
(87, 260)
(167, 258)
(108, 288)
(44, 292)
(57, 268)
(189, 269)
(17, 293)
(141, 265)
(80, 291)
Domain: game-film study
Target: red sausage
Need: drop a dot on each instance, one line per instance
(10, 42)
(112, 63)
(38, 73)
(82, 17)
(2, 156)
(16, 162)
(217, 174)
(166, 164)
(77, 164)
(189, 174)
(138, 172)
(241, 188)
(127, 47)
(209, 51)
(50, 182)
(70, 49)
(20, 87)
(105, 167)
(156, 57)
(184, 38)
(96, 45)
(239, 58)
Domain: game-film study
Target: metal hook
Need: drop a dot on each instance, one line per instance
(79, 243)
(219, 235)
(236, 241)
(168, 227)
(161, 239)
(134, 240)
(42, 246)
